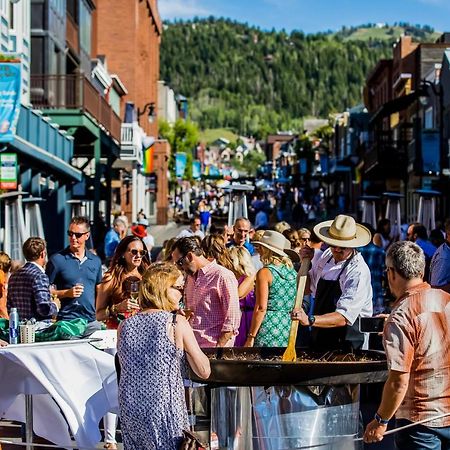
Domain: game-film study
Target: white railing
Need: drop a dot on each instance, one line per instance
(131, 142)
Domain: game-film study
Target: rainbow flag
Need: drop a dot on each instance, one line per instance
(147, 167)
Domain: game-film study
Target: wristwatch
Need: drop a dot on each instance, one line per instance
(311, 320)
(380, 420)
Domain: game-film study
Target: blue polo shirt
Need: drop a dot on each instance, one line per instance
(246, 245)
(64, 270)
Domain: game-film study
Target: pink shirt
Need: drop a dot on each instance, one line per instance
(212, 294)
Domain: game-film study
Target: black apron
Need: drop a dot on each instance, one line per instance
(344, 338)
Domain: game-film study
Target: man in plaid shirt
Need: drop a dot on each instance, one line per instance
(211, 292)
(28, 287)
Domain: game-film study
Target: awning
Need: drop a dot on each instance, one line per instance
(396, 105)
(42, 158)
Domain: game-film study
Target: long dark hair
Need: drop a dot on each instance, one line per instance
(118, 267)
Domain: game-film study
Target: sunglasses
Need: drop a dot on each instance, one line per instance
(181, 261)
(136, 252)
(77, 235)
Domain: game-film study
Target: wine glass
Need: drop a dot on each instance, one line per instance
(134, 291)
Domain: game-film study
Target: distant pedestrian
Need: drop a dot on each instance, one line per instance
(241, 232)
(116, 233)
(382, 237)
(418, 233)
(29, 287)
(141, 230)
(440, 264)
(205, 216)
(193, 230)
(261, 220)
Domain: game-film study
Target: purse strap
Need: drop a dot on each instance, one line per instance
(190, 406)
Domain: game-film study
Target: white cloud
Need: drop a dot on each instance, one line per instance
(181, 9)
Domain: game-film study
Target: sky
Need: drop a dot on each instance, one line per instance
(313, 15)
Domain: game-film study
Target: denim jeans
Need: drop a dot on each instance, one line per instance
(421, 437)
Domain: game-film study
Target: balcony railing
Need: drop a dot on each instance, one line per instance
(74, 92)
(131, 143)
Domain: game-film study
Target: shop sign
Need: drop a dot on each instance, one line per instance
(8, 171)
(10, 93)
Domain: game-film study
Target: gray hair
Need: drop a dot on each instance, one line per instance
(118, 221)
(407, 259)
(242, 219)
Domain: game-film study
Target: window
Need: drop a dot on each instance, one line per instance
(85, 28)
(37, 16)
(428, 121)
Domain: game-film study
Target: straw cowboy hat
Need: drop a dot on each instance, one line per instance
(343, 231)
(278, 244)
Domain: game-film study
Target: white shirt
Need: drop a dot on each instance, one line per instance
(355, 282)
(149, 242)
(189, 233)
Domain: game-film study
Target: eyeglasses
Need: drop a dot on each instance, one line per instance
(136, 252)
(77, 235)
(181, 261)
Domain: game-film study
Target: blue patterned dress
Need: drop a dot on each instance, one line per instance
(276, 325)
(151, 393)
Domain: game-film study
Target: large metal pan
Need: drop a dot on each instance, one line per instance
(263, 367)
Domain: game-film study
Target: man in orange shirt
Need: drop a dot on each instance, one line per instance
(416, 340)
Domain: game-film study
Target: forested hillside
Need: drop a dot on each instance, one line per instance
(255, 81)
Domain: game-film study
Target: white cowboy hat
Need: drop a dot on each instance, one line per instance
(344, 232)
(278, 244)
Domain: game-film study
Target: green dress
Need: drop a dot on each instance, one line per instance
(275, 328)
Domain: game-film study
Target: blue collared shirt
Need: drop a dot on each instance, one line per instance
(29, 292)
(247, 245)
(65, 270)
(112, 240)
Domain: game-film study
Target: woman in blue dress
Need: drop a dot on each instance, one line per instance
(153, 346)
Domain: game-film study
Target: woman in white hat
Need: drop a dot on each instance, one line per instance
(341, 284)
(275, 292)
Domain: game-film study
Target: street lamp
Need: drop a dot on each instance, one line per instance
(151, 111)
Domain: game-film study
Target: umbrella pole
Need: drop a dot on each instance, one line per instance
(29, 421)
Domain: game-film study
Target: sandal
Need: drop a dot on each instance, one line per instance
(110, 446)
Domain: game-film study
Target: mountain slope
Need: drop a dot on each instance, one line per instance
(254, 82)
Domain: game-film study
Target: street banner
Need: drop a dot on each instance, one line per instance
(10, 93)
(180, 164)
(196, 170)
(147, 167)
(8, 171)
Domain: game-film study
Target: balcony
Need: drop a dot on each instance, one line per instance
(131, 143)
(74, 92)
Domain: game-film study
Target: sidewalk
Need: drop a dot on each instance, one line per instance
(164, 232)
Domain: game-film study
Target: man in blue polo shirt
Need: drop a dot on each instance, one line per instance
(76, 273)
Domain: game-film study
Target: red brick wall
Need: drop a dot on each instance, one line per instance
(128, 32)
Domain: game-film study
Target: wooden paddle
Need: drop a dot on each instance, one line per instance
(290, 354)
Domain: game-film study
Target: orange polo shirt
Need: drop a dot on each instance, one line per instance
(416, 338)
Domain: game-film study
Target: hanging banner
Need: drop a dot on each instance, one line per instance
(10, 81)
(196, 170)
(8, 171)
(147, 167)
(180, 164)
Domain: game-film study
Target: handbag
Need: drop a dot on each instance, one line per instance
(190, 440)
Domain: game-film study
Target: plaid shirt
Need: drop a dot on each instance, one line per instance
(212, 294)
(29, 292)
(416, 341)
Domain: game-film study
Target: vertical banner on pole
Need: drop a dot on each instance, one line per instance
(8, 171)
(10, 93)
(180, 164)
(147, 167)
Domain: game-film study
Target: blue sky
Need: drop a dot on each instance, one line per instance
(313, 15)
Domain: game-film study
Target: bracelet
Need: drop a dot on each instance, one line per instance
(311, 320)
(250, 335)
(380, 420)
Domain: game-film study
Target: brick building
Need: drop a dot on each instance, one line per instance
(128, 33)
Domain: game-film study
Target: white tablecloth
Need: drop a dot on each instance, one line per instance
(73, 386)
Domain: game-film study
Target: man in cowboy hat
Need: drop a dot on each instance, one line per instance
(340, 282)
(140, 230)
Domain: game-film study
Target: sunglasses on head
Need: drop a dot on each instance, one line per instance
(77, 235)
(136, 252)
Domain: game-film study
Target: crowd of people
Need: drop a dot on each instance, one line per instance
(236, 286)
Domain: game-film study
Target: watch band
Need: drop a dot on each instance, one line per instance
(380, 420)
(311, 320)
